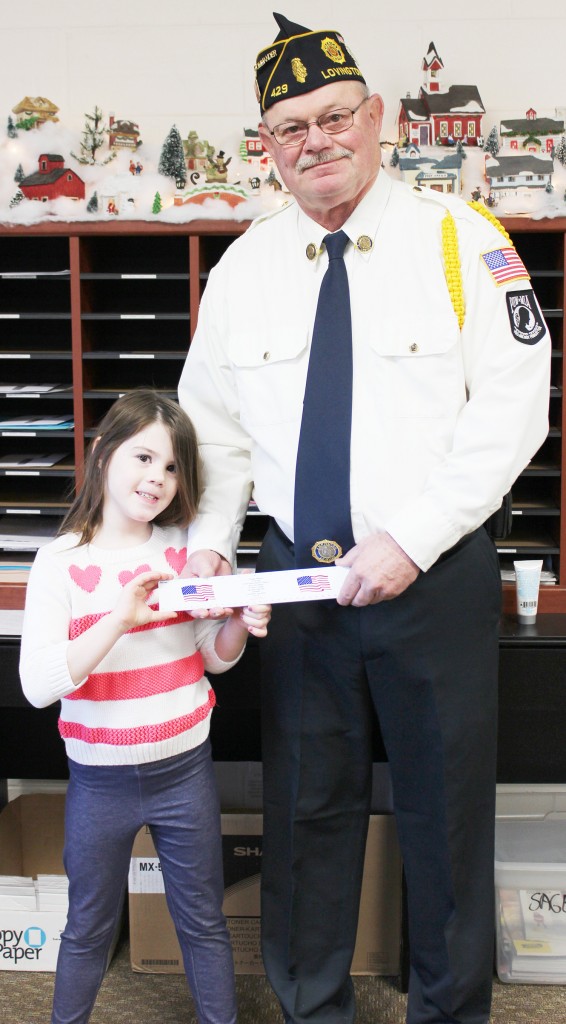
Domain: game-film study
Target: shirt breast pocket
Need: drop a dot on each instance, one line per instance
(420, 372)
(270, 374)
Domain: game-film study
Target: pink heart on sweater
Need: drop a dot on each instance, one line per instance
(87, 579)
(176, 559)
(125, 576)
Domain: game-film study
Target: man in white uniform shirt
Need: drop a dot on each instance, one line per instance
(449, 403)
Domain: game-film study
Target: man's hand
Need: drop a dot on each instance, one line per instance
(379, 571)
(206, 563)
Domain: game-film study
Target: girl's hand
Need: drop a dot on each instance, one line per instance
(254, 618)
(132, 608)
(211, 613)
(231, 637)
(86, 651)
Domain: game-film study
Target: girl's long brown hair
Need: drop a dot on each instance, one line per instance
(127, 417)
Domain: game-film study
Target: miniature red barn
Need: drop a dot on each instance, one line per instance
(52, 180)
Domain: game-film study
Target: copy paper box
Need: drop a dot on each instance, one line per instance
(31, 844)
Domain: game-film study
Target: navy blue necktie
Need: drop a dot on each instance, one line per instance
(322, 479)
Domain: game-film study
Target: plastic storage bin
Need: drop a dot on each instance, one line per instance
(530, 890)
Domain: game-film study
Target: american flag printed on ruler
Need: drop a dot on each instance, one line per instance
(505, 265)
(197, 591)
(314, 581)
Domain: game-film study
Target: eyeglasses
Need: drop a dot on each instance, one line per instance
(292, 133)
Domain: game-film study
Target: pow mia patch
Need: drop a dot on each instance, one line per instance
(525, 317)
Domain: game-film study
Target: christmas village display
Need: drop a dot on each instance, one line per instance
(518, 167)
(443, 143)
(110, 172)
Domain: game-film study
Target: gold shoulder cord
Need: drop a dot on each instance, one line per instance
(452, 268)
(451, 256)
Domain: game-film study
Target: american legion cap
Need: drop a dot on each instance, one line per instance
(299, 61)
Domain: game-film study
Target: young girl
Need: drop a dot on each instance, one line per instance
(135, 702)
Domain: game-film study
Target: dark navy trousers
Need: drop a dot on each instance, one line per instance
(426, 662)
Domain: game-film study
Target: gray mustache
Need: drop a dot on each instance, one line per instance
(304, 162)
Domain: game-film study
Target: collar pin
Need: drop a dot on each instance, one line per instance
(364, 243)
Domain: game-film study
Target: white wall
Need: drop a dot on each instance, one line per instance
(164, 62)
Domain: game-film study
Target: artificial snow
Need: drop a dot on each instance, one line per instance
(133, 194)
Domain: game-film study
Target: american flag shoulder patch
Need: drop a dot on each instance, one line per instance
(505, 265)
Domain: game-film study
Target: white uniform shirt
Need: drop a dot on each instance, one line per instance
(443, 420)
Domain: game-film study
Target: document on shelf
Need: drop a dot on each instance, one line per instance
(37, 460)
(19, 390)
(18, 534)
(37, 423)
(314, 584)
(34, 273)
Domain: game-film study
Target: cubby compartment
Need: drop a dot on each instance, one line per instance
(123, 257)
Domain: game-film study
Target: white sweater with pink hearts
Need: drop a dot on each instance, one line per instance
(149, 697)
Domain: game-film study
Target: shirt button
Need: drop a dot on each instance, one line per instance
(266, 356)
(412, 348)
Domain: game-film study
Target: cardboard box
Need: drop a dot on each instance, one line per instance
(31, 843)
(530, 890)
(153, 943)
(32, 829)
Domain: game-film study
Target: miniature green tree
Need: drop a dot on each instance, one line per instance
(92, 205)
(27, 123)
(11, 129)
(172, 160)
(157, 204)
(19, 175)
(16, 198)
(93, 139)
(491, 145)
(560, 151)
(394, 161)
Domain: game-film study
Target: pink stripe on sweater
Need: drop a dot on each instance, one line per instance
(128, 684)
(79, 626)
(155, 733)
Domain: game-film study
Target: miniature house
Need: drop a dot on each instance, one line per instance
(439, 115)
(442, 174)
(198, 153)
(508, 173)
(123, 134)
(36, 109)
(255, 155)
(530, 134)
(52, 180)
